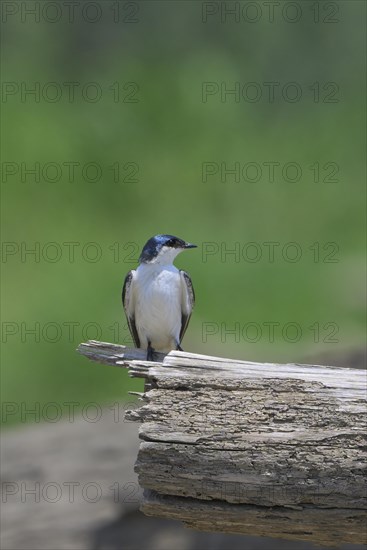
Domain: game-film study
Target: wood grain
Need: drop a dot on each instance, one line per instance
(253, 448)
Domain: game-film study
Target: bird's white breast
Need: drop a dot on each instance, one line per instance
(158, 306)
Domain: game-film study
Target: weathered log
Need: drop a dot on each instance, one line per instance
(251, 448)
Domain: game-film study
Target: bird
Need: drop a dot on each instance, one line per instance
(158, 298)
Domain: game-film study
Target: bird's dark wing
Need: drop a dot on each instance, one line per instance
(129, 306)
(187, 301)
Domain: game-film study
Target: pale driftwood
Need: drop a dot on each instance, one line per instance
(251, 448)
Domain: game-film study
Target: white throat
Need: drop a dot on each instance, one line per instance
(166, 256)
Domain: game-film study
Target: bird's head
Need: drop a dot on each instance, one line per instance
(163, 249)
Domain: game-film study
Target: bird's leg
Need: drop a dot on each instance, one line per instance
(150, 357)
(150, 352)
(179, 348)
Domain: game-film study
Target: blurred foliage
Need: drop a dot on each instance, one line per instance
(169, 132)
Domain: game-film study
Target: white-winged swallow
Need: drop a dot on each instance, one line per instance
(158, 298)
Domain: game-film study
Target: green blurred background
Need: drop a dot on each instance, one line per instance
(167, 51)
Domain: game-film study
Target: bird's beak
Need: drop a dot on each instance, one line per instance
(189, 245)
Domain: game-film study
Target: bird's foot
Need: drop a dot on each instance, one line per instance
(150, 353)
(179, 348)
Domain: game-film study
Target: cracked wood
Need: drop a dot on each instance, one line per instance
(225, 442)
